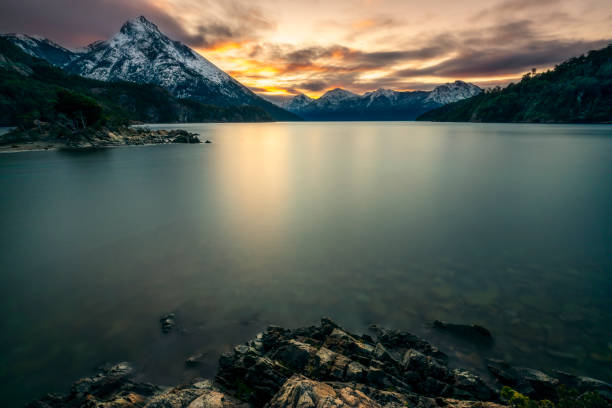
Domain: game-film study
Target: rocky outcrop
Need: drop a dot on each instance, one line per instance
(61, 136)
(302, 392)
(113, 387)
(393, 360)
(323, 367)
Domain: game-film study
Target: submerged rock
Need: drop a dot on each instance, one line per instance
(168, 322)
(194, 359)
(585, 384)
(470, 332)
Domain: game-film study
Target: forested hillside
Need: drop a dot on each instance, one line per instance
(31, 89)
(576, 91)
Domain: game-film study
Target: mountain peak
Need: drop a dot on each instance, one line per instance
(453, 92)
(389, 93)
(139, 24)
(338, 93)
(302, 97)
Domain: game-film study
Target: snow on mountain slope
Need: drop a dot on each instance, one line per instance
(42, 48)
(296, 103)
(453, 92)
(141, 53)
(382, 104)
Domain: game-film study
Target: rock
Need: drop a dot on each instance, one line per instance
(194, 359)
(207, 141)
(295, 354)
(329, 353)
(111, 387)
(396, 339)
(182, 136)
(355, 372)
(584, 384)
(469, 386)
(426, 366)
(528, 381)
(544, 386)
(301, 392)
(473, 332)
(216, 399)
(168, 322)
(321, 366)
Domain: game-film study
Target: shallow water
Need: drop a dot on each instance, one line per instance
(508, 226)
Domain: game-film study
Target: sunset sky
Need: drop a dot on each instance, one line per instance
(292, 46)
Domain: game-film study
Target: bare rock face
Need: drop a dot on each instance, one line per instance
(301, 392)
(113, 388)
(395, 361)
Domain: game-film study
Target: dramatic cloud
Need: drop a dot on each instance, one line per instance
(77, 23)
(312, 46)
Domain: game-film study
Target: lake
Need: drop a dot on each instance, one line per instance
(395, 223)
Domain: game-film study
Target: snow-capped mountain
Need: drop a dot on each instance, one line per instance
(141, 53)
(382, 104)
(453, 92)
(296, 103)
(42, 48)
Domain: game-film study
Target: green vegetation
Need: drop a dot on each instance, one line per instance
(576, 91)
(517, 400)
(31, 89)
(82, 110)
(567, 398)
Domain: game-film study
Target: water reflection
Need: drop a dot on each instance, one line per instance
(394, 223)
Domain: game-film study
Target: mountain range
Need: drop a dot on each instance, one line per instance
(31, 90)
(141, 53)
(578, 90)
(382, 104)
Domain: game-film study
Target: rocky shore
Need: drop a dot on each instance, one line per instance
(325, 366)
(45, 136)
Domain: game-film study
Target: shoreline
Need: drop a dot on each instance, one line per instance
(53, 137)
(327, 366)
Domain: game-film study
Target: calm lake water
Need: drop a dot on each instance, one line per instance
(508, 226)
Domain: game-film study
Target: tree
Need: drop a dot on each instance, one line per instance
(82, 110)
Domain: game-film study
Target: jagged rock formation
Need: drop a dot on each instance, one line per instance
(382, 104)
(398, 364)
(320, 367)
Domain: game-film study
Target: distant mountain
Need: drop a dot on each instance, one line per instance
(30, 89)
(141, 53)
(453, 92)
(382, 104)
(42, 48)
(578, 90)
